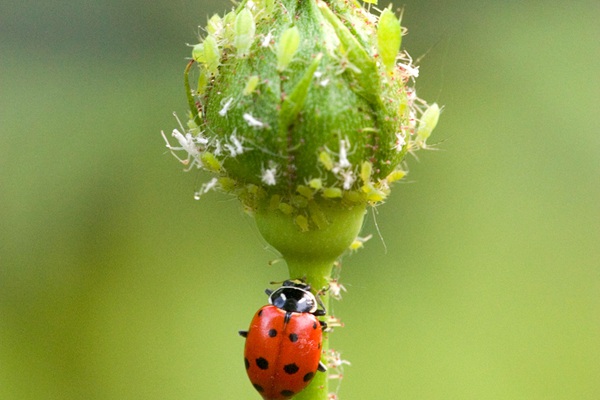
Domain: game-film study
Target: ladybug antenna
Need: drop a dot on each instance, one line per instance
(298, 282)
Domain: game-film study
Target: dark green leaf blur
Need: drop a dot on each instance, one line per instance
(116, 284)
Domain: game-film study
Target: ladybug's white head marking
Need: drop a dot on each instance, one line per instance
(294, 297)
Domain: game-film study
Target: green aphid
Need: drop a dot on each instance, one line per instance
(395, 175)
(274, 202)
(332, 193)
(325, 159)
(389, 38)
(302, 222)
(285, 208)
(317, 216)
(215, 25)
(305, 191)
(427, 124)
(315, 183)
(366, 169)
(287, 47)
(212, 54)
(245, 29)
(198, 53)
(210, 162)
(229, 27)
(227, 183)
(251, 85)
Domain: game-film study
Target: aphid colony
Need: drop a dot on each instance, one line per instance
(293, 101)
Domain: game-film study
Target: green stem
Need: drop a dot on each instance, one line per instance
(316, 275)
(311, 255)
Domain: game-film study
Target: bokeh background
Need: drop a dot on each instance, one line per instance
(115, 284)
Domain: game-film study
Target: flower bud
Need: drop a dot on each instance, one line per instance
(307, 100)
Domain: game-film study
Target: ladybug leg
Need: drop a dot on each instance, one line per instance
(322, 311)
(243, 333)
(268, 292)
(323, 325)
(322, 367)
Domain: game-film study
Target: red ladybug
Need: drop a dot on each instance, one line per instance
(283, 343)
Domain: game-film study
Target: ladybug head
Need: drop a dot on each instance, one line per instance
(294, 296)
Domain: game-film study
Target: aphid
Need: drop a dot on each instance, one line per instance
(251, 85)
(269, 175)
(245, 29)
(302, 222)
(305, 191)
(207, 187)
(267, 8)
(408, 70)
(366, 169)
(235, 146)
(215, 25)
(427, 124)
(315, 183)
(336, 288)
(343, 155)
(358, 243)
(287, 47)
(395, 175)
(325, 159)
(332, 192)
(212, 54)
(226, 107)
(348, 179)
(400, 141)
(210, 162)
(266, 42)
(189, 143)
(198, 53)
(389, 38)
(253, 122)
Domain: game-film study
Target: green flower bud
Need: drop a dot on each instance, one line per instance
(303, 102)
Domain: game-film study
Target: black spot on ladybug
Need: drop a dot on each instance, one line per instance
(291, 368)
(287, 393)
(308, 376)
(314, 325)
(293, 337)
(262, 363)
(247, 363)
(272, 333)
(319, 345)
(259, 312)
(258, 387)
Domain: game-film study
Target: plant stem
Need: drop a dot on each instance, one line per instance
(316, 275)
(310, 255)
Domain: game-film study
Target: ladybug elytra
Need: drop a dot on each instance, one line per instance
(283, 344)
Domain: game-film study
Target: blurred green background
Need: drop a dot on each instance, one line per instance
(116, 284)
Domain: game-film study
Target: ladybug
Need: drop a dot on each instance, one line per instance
(283, 344)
